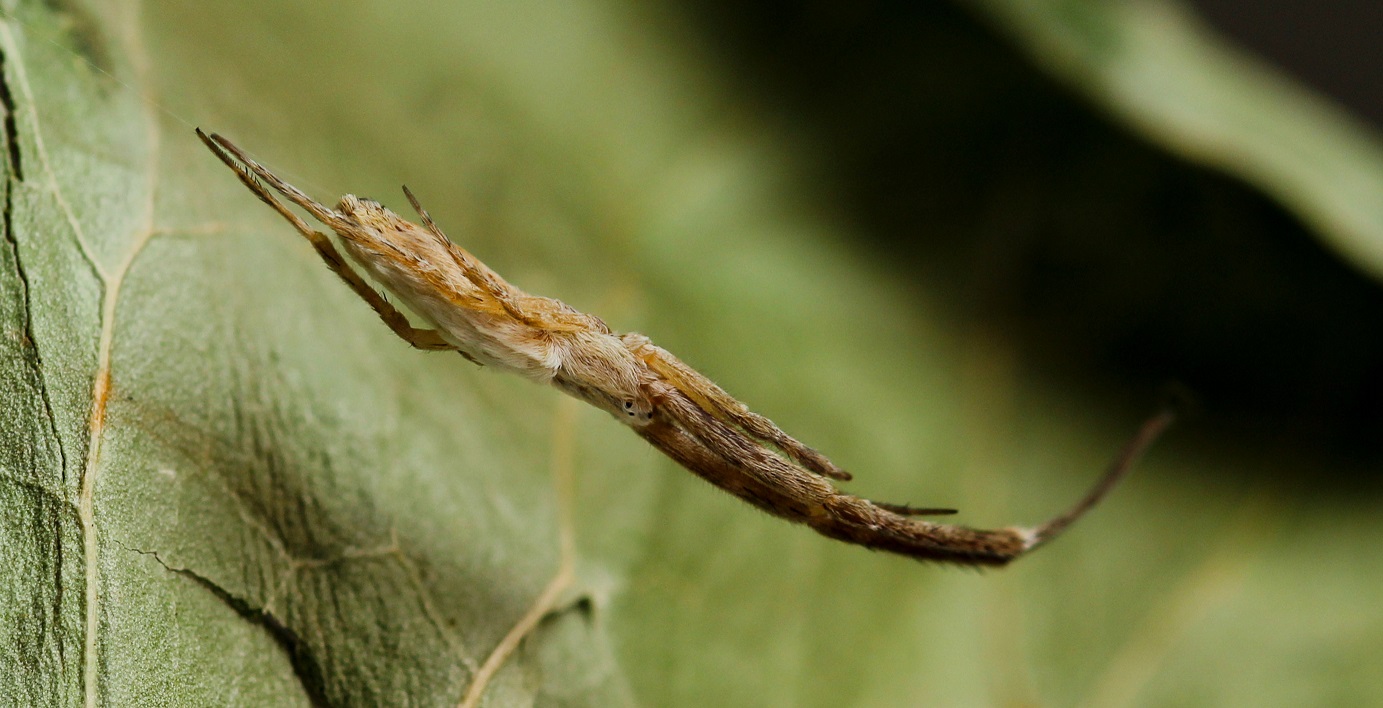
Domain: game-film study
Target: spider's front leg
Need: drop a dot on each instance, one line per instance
(537, 312)
(250, 172)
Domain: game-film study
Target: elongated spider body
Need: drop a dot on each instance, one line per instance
(474, 311)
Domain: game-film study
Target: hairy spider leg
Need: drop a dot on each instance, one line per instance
(1118, 469)
(479, 273)
(727, 408)
(247, 170)
(724, 456)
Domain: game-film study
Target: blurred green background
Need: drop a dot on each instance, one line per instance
(958, 247)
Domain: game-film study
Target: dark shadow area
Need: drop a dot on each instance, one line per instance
(1333, 45)
(1113, 266)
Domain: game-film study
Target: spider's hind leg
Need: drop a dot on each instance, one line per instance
(906, 510)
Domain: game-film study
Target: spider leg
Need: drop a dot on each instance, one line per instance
(1151, 429)
(725, 407)
(250, 174)
(905, 510)
(726, 457)
(477, 272)
(246, 167)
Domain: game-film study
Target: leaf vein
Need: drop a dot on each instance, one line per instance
(21, 75)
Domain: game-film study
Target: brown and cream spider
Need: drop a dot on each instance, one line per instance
(688, 417)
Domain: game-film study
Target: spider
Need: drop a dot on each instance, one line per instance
(676, 409)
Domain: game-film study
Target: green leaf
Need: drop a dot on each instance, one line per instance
(222, 481)
(1155, 66)
(219, 486)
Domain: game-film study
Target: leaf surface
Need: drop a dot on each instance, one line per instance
(222, 481)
